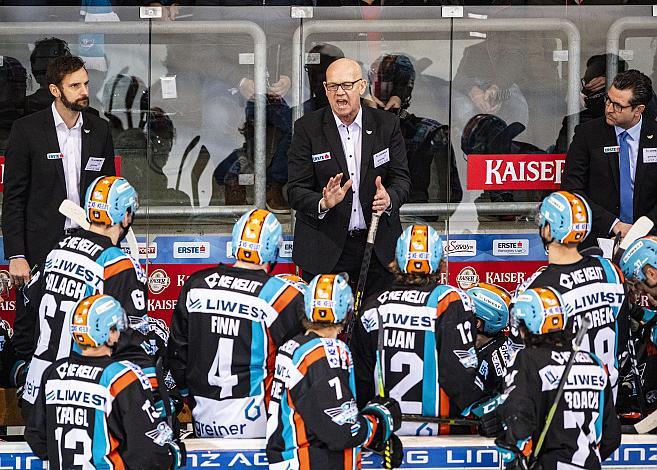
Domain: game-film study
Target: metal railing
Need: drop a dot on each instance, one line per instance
(614, 33)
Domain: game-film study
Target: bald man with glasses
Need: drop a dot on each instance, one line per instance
(345, 162)
(612, 160)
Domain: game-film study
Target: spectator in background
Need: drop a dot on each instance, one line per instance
(320, 57)
(45, 51)
(594, 91)
(392, 78)
(13, 85)
(612, 160)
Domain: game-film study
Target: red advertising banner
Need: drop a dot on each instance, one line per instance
(507, 274)
(515, 172)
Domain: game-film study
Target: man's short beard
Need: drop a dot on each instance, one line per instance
(73, 106)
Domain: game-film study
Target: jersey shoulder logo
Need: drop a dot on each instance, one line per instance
(343, 414)
(468, 358)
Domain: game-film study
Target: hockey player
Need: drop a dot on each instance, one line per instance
(83, 263)
(93, 411)
(225, 329)
(429, 355)
(494, 349)
(591, 285)
(314, 422)
(584, 430)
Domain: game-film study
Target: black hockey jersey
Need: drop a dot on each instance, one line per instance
(94, 412)
(80, 265)
(592, 288)
(225, 329)
(429, 356)
(494, 357)
(585, 429)
(313, 416)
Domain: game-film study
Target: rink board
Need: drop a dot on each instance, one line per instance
(636, 452)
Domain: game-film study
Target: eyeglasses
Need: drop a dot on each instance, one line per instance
(346, 86)
(617, 106)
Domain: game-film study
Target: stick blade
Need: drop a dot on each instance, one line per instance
(647, 424)
(72, 211)
(639, 229)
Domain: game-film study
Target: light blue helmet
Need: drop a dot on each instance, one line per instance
(569, 216)
(491, 306)
(93, 318)
(108, 198)
(257, 237)
(419, 250)
(541, 309)
(639, 254)
(328, 298)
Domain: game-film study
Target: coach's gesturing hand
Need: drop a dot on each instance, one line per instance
(381, 197)
(333, 193)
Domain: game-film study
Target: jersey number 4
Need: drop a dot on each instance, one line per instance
(219, 374)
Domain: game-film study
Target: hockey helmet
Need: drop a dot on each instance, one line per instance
(640, 253)
(108, 199)
(93, 317)
(487, 133)
(328, 298)
(541, 309)
(392, 74)
(491, 305)
(257, 236)
(419, 250)
(569, 216)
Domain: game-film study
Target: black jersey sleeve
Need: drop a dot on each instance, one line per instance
(363, 346)
(144, 438)
(27, 319)
(36, 428)
(611, 428)
(458, 362)
(290, 307)
(124, 280)
(329, 410)
(177, 348)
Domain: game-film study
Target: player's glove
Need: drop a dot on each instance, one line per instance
(19, 378)
(388, 415)
(491, 425)
(396, 452)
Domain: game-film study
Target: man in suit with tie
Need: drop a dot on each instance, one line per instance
(345, 162)
(52, 155)
(612, 160)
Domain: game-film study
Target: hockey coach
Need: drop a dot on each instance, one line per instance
(345, 162)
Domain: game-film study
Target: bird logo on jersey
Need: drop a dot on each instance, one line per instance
(419, 250)
(343, 414)
(541, 309)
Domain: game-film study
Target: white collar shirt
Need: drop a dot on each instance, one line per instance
(70, 145)
(351, 138)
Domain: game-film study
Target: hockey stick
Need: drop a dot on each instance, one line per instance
(412, 418)
(639, 229)
(634, 365)
(647, 424)
(362, 277)
(76, 213)
(387, 450)
(586, 324)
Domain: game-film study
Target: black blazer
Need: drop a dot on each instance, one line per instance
(318, 242)
(595, 174)
(35, 185)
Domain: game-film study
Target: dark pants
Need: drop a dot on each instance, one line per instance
(378, 277)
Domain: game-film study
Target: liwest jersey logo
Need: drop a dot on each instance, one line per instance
(191, 249)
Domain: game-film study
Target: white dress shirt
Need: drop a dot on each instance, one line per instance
(70, 145)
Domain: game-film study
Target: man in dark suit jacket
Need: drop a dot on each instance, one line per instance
(612, 160)
(338, 152)
(39, 174)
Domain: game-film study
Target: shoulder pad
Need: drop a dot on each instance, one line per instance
(612, 272)
(441, 291)
(143, 379)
